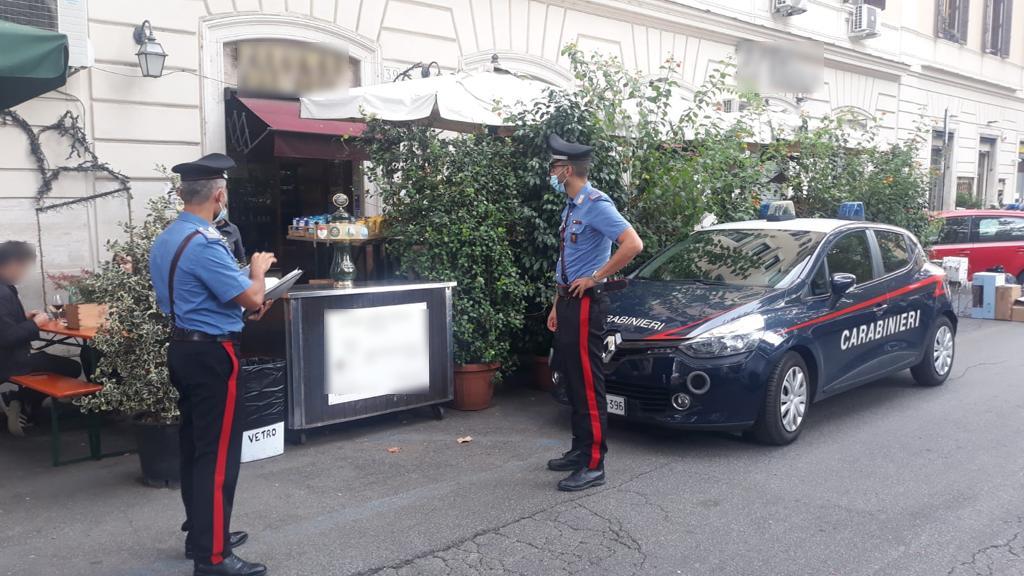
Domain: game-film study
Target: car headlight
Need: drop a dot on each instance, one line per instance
(741, 335)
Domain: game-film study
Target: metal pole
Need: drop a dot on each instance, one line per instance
(42, 263)
(945, 159)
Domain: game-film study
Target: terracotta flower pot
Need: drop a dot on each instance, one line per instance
(474, 385)
(540, 374)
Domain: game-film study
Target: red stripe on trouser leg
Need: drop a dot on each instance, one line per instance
(588, 383)
(222, 457)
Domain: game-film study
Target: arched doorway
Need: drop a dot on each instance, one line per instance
(253, 69)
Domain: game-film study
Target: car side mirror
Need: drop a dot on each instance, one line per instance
(841, 283)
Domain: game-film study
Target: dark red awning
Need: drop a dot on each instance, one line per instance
(296, 137)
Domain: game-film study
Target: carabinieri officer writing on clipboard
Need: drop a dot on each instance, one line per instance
(198, 283)
(590, 223)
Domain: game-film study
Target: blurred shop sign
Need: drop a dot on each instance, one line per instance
(780, 67)
(376, 351)
(288, 68)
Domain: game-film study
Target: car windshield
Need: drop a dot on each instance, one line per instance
(754, 257)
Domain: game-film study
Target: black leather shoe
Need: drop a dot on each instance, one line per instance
(582, 479)
(235, 539)
(231, 566)
(571, 460)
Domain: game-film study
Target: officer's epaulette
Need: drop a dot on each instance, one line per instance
(596, 195)
(211, 233)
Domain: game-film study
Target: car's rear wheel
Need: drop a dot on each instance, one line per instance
(937, 363)
(787, 398)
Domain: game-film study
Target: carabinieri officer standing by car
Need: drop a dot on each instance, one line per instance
(590, 223)
(198, 283)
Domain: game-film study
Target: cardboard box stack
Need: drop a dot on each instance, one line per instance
(1017, 313)
(1006, 295)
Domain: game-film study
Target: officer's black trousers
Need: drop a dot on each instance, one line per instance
(206, 376)
(579, 340)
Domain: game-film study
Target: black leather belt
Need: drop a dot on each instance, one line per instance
(185, 335)
(609, 286)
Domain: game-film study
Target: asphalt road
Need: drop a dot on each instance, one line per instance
(889, 479)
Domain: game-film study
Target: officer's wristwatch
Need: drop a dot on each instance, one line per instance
(595, 278)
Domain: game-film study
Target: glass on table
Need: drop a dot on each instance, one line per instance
(57, 303)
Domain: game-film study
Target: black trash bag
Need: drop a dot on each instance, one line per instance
(264, 383)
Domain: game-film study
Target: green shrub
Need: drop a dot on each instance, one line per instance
(133, 367)
(449, 209)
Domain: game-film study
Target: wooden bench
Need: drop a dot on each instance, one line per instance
(59, 387)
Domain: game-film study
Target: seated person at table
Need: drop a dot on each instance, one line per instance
(17, 331)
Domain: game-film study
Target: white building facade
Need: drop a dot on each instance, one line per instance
(954, 66)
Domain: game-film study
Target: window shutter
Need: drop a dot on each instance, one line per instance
(963, 8)
(1004, 38)
(987, 31)
(939, 27)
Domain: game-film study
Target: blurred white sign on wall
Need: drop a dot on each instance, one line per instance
(376, 351)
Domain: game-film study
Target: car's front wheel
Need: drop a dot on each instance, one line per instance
(787, 398)
(940, 350)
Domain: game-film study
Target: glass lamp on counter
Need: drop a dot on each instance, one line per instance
(342, 231)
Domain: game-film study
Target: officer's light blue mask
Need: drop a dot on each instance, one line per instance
(222, 216)
(558, 186)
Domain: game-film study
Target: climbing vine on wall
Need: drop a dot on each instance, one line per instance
(69, 127)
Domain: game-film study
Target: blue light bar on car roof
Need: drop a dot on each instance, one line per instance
(851, 211)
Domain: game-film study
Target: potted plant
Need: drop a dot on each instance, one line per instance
(133, 344)
(448, 216)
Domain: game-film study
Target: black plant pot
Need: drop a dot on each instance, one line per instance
(158, 452)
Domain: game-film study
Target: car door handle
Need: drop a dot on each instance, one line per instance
(880, 308)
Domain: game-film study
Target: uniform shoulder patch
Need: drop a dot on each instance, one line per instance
(596, 194)
(211, 233)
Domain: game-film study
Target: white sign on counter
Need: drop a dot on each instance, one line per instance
(376, 351)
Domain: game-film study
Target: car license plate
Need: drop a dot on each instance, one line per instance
(616, 405)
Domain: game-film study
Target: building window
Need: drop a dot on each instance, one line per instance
(965, 192)
(36, 13)
(951, 20)
(938, 169)
(986, 171)
(1020, 172)
(998, 21)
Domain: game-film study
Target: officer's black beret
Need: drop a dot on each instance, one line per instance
(562, 150)
(209, 167)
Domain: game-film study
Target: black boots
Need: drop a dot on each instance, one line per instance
(236, 539)
(231, 566)
(571, 460)
(582, 479)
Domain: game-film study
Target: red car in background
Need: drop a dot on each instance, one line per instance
(988, 238)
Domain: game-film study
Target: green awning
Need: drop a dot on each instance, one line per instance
(33, 62)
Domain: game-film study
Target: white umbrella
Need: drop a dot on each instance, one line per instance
(464, 101)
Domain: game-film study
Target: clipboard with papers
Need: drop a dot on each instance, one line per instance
(276, 288)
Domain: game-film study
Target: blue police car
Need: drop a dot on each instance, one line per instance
(742, 326)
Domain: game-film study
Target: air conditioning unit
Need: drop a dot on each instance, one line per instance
(789, 7)
(956, 269)
(73, 21)
(69, 17)
(734, 105)
(864, 22)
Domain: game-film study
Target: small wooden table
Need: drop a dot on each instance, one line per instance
(61, 334)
